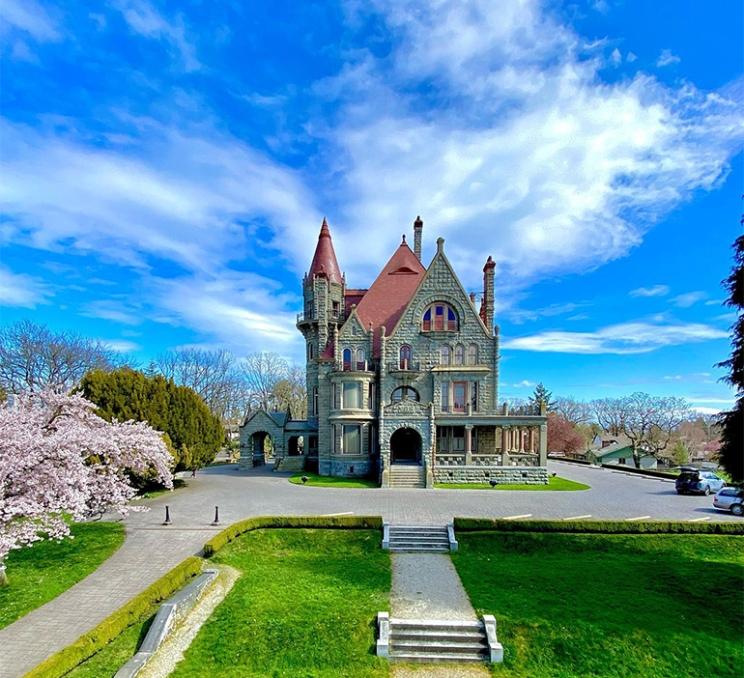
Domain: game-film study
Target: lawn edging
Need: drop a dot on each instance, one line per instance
(135, 610)
(596, 526)
(263, 522)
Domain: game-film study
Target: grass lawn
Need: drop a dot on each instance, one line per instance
(315, 480)
(610, 605)
(43, 571)
(112, 657)
(178, 483)
(304, 606)
(556, 484)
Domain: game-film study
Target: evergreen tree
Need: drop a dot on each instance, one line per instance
(194, 433)
(541, 395)
(731, 454)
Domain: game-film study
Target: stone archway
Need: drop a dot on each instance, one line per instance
(261, 444)
(295, 446)
(405, 446)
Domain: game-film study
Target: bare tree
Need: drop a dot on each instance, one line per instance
(667, 414)
(573, 410)
(33, 357)
(214, 375)
(291, 391)
(262, 372)
(610, 414)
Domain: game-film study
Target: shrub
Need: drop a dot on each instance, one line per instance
(597, 526)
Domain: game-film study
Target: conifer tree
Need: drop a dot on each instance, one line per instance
(731, 454)
(541, 395)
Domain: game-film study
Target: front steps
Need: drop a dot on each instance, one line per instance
(418, 538)
(436, 640)
(293, 464)
(407, 475)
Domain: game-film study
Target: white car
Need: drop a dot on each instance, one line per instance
(730, 499)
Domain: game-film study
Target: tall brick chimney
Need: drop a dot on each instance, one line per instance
(488, 275)
(418, 228)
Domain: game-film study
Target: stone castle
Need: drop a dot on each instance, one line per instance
(402, 381)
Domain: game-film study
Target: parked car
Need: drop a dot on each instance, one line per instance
(699, 482)
(730, 499)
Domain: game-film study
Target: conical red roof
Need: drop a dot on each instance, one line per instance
(385, 301)
(324, 261)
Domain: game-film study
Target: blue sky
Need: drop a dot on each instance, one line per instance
(166, 167)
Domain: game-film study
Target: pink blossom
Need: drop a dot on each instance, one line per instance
(60, 461)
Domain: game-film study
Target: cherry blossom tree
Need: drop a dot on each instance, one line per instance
(59, 461)
(562, 436)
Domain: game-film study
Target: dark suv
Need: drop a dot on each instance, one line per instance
(700, 482)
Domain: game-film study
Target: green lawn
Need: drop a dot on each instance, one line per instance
(556, 484)
(114, 655)
(610, 605)
(43, 571)
(178, 483)
(314, 480)
(304, 606)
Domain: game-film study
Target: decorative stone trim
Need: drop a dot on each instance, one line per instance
(509, 475)
(386, 536)
(495, 648)
(451, 536)
(383, 634)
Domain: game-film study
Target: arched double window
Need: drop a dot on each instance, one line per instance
(406, 354)
(404, 393)
(459, 354)
(473, 354)
(445, 355)
(439, 317)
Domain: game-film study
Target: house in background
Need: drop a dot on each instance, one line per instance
(402, 380)
(618, 451)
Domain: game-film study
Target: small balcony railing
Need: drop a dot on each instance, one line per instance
(404, 366)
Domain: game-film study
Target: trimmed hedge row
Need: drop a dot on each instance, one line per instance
(597, 526)
(641, 471)
(136, 610)
(323, 522)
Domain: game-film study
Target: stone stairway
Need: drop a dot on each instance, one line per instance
(437, 640)
(294, 464)
(418, 538)
(407, 475)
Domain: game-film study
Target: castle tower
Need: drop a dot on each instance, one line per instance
(323, 290)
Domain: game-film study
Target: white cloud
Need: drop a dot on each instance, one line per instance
(616, 57)
(27, 16)
(524, 384)
(519, 316)
(120, 345)
(631, 57)
(666, 58)
(688, 299)
(17, 289)
(144, 19)
(622, 339)
(655, 291)
(486, 120)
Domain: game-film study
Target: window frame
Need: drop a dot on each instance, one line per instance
(440, 316)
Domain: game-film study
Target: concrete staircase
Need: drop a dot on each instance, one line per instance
(418, 538)
(407, 475)
(293, 464)
(436, 640)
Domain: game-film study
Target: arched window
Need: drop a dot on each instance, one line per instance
(459, 354)
(404, 393)
(347, 358)
(361, 358)
(406, 353)
(473, 354)
(445, 355)
(439, 317)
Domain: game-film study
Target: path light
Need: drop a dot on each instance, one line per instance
(216, 515)
(493, 482)
(167, 515)
(304, 479)
(553, 475)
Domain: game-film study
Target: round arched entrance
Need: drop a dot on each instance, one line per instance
(261, 443)
(405, 446)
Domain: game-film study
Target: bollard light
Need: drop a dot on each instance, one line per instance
(493, 482)
(216, 515)
(167, 515)
(304, 479)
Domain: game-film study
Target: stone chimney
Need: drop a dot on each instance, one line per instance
(488, 274)
(418, 228)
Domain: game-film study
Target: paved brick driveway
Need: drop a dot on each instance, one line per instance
(150, 550)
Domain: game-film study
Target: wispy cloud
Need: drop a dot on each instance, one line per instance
(520, 316)
(17, 289)
(27, 16)
(688, 299)
(622, 339)
(121, 345)
(666, 58)
(655, 291)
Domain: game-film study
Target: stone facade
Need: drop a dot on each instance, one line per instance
(406, 372)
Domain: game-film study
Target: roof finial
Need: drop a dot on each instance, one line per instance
(404, 239)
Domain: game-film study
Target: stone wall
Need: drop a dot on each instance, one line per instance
(506, 475)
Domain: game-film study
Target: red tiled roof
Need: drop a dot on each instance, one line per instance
(387, 298)
(352, 297)
(324, 261)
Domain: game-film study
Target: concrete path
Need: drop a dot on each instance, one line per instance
(427, 586)
(150, 550)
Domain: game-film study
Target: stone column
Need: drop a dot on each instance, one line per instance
(504, 446)
(544, 445)
(468, 445)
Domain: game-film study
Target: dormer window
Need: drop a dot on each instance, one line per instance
(439, 317)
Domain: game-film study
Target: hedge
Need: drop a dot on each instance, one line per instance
(323, 522)
(641, 471)
(597, 526)
(136, 610)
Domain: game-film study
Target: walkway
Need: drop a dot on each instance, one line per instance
(150, 550)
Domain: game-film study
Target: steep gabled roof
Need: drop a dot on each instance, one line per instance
(324, 261)
(390, 293)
